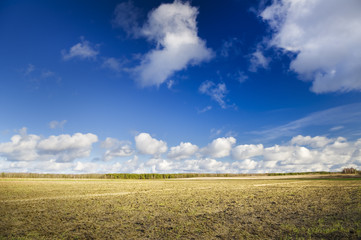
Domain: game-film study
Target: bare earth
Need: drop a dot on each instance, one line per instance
(261, 207)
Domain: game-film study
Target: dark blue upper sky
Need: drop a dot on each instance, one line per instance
(255, 72)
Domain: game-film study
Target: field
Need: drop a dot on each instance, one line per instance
(253, 208)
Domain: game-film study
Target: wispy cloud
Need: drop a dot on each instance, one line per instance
(231, 47)
(81, 50)
(57, 124)
(205, 109)
(338, 115)
(126, 17)
(258, 60)
(217, 92)
(39, 75)
(336, 128)
(240, 76)
(29, 69)
(112, 64)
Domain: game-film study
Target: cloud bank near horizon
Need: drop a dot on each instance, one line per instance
(72, 154)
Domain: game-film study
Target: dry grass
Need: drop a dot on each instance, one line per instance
(181, 209)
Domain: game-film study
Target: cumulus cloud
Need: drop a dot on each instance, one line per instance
(182, 151)
(321, 155)
(82, 50)
(148, 145)
(247, 151)
(20, 148)
(66, 148)
(204, 165)
(116, 148)
(325, 35)
(244, 166)
(57, 124)
(67, 153)
(61, 148)
(173, 28)
(220, 147)
(314, 142)
(217, 92)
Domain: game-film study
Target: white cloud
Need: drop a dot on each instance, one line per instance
(112, 64)
(317, 154)
(82, 50)
(173, 28)
(66, 148)
(205, 109)
(336, 128)
(247, 151)
(20, 148)
(110, 143)
(242, 166)
(334, 156)
(204, 165)
(258, 60)
(58, 154)
(116, 148)
(277, 153)
(57, 124)
(133, 166)
(216, 91)
(220, 147)
(313, 142)
(148, 145)
(346, 114)
(325, 35)
(62, 148)
(161, 165)
(182, 151)
(170, 84)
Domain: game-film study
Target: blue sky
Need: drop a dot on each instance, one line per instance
(177, 86)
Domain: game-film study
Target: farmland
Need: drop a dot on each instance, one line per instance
(253, 208)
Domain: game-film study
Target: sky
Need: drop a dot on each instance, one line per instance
(180, 86)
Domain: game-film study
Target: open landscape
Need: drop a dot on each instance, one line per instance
(265, 207)
(180, 119)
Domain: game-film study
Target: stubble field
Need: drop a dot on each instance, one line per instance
(180, 209)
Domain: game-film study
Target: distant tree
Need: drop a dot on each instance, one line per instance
(349, 171)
